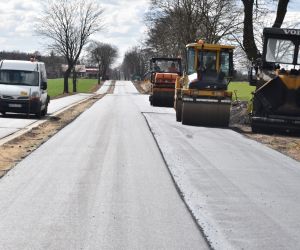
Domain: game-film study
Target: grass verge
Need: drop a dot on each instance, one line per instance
(56, 86)
(242, 90)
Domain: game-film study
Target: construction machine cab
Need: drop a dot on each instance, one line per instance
(165, 65)
(281, 46)
(212, 64)
(276, 75)
(280, 53)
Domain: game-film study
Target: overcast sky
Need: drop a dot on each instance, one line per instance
(123, 18)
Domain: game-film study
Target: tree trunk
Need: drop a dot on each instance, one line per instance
(74, 81)
(248, 35)
(66, 78)
(99, 81)
(281, 11)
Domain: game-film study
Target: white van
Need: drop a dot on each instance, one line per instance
(23, 87)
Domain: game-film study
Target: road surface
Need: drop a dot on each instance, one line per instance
(243, 194)
(100, 183)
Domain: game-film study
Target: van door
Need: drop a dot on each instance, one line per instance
(43, 81)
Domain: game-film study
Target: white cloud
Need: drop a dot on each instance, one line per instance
(123, 24)
(123, 20)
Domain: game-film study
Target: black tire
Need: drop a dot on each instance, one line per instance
(255, 129)
(45, 111)
(155, 101)
(3, 113)
(38, 114)
(178, 110)
(150, 100)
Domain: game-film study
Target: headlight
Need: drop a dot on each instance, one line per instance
(35, 95)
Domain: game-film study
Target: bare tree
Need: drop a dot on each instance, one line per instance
(173, 24)
(104, 55)
(135, 63)
(69, 24)
(281, 11)
(248, 33)
(249, 40)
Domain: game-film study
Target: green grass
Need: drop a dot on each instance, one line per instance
(243, 90)
(56, 86)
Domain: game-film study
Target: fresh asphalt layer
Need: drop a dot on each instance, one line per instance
(99, 183)
(102, 183)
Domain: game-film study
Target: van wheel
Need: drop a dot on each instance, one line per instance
(38, 114)
(45, 111)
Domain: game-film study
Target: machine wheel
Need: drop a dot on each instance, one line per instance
(178, 110)
(255, 129)
(151, 100)
(205, 114)
(155, 101)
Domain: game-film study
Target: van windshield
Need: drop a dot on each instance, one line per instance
(19, 77)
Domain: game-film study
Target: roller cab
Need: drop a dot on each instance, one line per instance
(201, 96)
(164, 72)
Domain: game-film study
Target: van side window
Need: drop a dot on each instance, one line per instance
(43, 73)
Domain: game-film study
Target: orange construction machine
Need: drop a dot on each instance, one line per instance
(164, 72)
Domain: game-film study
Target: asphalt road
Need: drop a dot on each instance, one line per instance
(100, 183)
(243, 194)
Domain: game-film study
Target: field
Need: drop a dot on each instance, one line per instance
(56, 86)
(242, 89)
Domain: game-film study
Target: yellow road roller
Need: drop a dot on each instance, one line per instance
(201, 96)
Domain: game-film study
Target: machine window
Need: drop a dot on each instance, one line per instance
(224, 63)
(167, 66)
(281, 51)
(191, 61)
(207, 60)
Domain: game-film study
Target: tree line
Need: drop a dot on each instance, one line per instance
(53, 62)
(174, 23)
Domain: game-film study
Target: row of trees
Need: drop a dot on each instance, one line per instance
(53, 62)
(173, 24)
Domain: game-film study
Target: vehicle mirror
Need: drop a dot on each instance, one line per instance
(252, 76)
(44, 86)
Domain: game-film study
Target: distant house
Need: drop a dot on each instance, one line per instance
(91, 72)
(83, 71)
